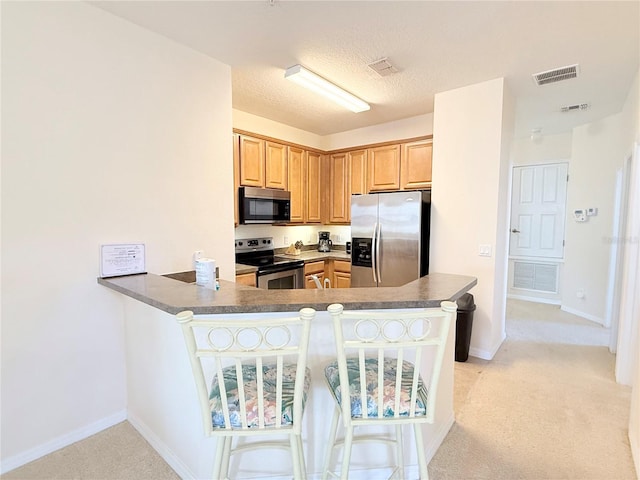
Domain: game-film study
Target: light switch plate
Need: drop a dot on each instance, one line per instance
(484, 250)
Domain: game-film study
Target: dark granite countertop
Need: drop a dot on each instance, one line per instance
(173, 296)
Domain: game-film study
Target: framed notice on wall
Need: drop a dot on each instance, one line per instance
(121, 259)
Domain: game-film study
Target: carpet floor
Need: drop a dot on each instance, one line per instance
(546, 407)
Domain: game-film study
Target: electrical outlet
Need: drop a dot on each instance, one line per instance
(285, 240)
(580, 293)
(338, 238)
(484, 250)
(197, 255)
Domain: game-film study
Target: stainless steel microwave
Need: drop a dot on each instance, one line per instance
(264, 205)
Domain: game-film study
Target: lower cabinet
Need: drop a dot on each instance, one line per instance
(341, 274)
(246, 279)
(337, 271)
(313, 268)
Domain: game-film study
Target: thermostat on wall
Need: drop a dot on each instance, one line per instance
(580, 215)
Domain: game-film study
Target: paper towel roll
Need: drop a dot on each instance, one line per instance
(206, 273)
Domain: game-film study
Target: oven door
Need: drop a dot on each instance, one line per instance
(284, 279)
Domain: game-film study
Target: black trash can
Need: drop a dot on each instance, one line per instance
(464, 322)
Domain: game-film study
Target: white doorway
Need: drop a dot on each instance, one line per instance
(537, 226)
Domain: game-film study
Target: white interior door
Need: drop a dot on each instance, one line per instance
(538, 203)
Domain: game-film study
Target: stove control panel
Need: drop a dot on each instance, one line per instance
(254, 244)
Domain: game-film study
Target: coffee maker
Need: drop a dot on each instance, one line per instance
(324, 244)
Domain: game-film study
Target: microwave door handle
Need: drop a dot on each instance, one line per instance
(377, 255)
(373, 255)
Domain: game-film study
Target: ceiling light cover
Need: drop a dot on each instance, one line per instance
(316, 83)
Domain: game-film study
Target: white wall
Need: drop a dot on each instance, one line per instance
(597, 152)
(546, 149)
(470, 185)
(628, 359)
(417, 126)
(264, 126)
(110, 134)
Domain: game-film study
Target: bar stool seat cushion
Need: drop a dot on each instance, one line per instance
(389, 379)
(269, 373)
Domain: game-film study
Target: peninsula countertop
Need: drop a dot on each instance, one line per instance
(173, 296)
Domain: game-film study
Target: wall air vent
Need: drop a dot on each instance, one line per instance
(382, 67)
(540, 277)
(572, 108)
(556, 75)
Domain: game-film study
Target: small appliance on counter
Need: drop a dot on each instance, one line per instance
(324, 244)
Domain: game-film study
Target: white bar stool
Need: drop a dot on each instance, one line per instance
(384, 348)
(252, 381)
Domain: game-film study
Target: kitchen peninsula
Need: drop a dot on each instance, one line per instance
(161, 396)
(173, 296)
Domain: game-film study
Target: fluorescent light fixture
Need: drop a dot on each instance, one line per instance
(310, 80)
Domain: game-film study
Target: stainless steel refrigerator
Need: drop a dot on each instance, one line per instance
(389, 238)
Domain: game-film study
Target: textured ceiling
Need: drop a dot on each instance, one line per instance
(436, 46)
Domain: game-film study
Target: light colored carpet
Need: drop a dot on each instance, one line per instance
(546, 407)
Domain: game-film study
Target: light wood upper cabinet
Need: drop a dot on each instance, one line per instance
(275, 166)
(262, 163)
(339, 189)
(358, 160)
(383, 168)
(313, 208)
(297, 179)
(415, 167)
(251, 161)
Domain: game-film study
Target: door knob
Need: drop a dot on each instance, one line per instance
(515, 230)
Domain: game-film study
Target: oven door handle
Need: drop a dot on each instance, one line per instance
(280, 268)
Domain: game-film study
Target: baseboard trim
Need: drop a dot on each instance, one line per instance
(586, 316)
(163, 450)
(487, 354)
(635, 450)
(62, 441)
(548, 301)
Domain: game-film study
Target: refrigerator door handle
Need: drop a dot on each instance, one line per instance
(373, 253)
(377, 255)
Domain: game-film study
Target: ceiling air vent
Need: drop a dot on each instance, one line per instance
(556, 75)
(572, 108)
(382, 67)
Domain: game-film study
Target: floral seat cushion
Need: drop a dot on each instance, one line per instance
(269, 373)
(371, 369)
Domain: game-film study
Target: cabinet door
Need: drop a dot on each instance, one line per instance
(340, 189)
(275, 166)
(415, 165)
(251, 161)
(313, 203)
(358, 160)
(246, 279)
(383, 168)
(313, 268)
(341, 280)
(297, 171)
